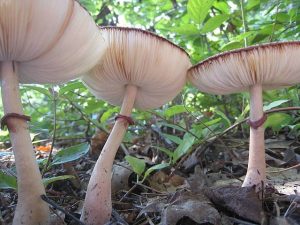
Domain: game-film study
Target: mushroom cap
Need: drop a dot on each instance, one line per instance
(49, 41)
(273, 65)
(136, 57)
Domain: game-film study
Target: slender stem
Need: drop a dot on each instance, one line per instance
(54, 94)
(275, 21)
(95, 123)
(219, 135)
(266, 112)
(31, 210)
(256, 172)
(244, 21)
(97, 206)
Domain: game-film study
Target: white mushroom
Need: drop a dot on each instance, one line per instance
(253, 69)
(139, 69)
(41, 41)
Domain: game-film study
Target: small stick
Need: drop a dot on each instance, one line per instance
(116, 215)
(54, 205)
(266, 112)
(286, 169)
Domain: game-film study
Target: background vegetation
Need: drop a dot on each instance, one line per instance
(66, 115)
(203, 28)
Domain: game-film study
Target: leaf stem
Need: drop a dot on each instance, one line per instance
(54, 132)
(245, 26)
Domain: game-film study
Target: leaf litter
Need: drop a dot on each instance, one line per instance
(204, 188)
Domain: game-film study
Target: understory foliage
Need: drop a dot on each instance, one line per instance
(203, 28)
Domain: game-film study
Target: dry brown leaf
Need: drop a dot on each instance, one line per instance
(194, 206)
(120, 177)
(242, 201)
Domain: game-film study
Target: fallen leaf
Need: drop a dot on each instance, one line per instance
(42, 148)
(196, 207)
(120, 177)
(242, 201)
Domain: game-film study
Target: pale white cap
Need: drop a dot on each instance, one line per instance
(141, 58)
(273, 65)
(51, 41)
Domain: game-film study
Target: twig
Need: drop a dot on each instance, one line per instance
(31, 105)
(292, 207)
(275, 22)
(87, 119)
(56, 206)
(128, 192)
(149, 220)
(151, 189)
(164, 119)
(219, 135)
(286, 169)
(54, 132)
(119, 219)
(58, 216)
(266, 112)
(238, 221)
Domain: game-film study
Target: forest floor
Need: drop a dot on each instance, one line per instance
(201, 188)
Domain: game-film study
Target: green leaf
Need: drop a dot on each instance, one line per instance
(198, 9)
(275, 104)
(41, 90)
(92, 106)
(70, 87)
(185, 29)
(242, 36)
(137, 165)
(108, 113)
(222, 6)
(213, 23)
(164, 150)
(278, 120)
(153, 168)
(270, 28)
(295, 128)
(47, 181)
(212, 122)
(281, 17)
(243, 114)
(199, 129)
(218, 112)
(172, 138)
(174, 126)
(4, 133)
(7, 181)
(70, 154)
(251, 4)
(174, 110)
(232, 45)
(184, 147)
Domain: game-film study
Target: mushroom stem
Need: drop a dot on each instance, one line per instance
(31, 209)
(97, 205)
(256, 172)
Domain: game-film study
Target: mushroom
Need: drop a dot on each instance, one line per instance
(139, 69)
(253, 69)
(40, 42)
